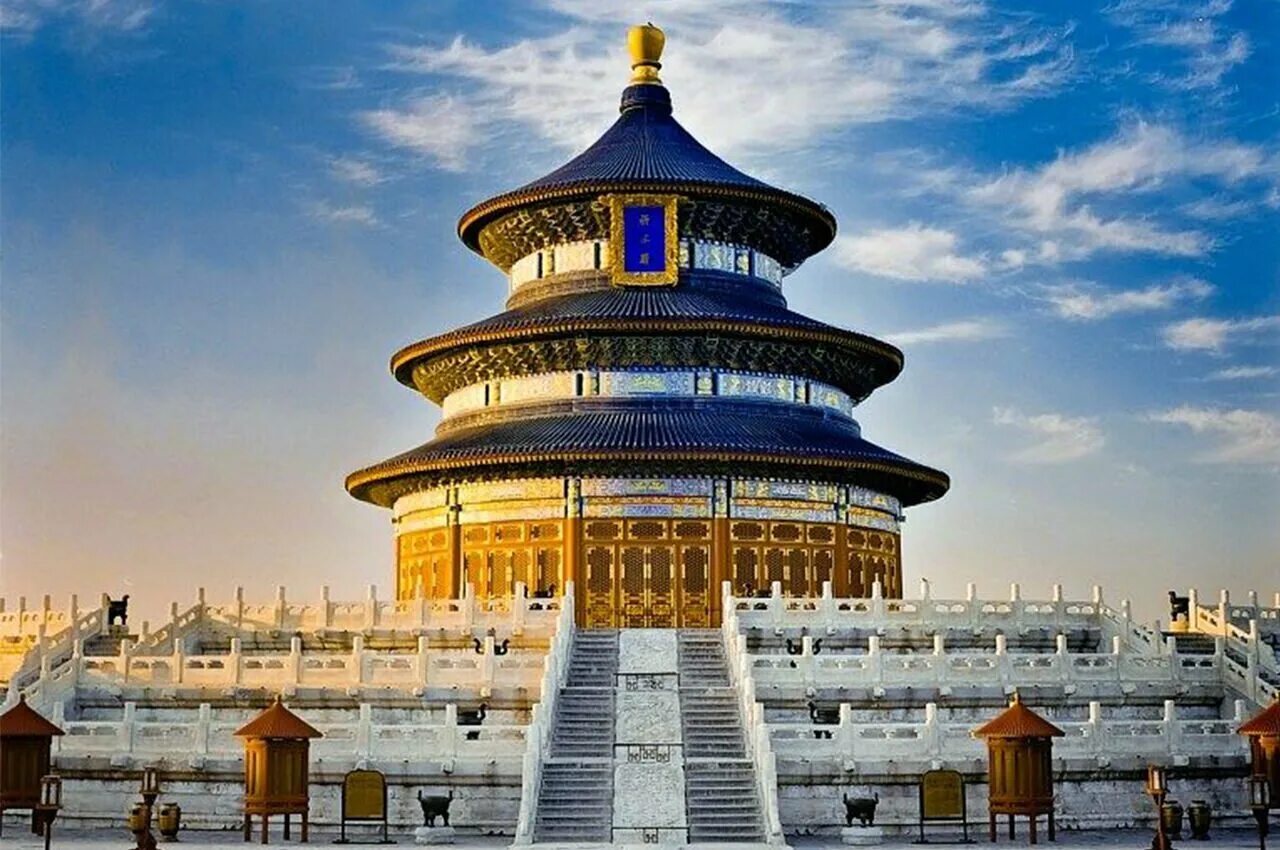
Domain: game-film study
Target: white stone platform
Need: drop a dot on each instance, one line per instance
(19, 838)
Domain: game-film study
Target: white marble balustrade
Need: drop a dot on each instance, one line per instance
(932, 739)
(128, 740)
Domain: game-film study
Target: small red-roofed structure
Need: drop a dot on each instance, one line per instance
(277, 767)
(1263, 732)
(1020, 766)
(26, 740)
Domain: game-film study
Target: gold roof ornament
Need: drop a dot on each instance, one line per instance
(645, 44)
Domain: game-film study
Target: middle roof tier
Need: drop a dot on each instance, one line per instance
(705, 326)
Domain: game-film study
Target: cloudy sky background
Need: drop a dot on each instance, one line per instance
(221, 218)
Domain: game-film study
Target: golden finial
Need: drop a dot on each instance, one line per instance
(645, 44)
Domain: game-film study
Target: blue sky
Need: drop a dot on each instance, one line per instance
(221, 218)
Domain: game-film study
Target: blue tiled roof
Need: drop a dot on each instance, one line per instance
(646, 148)
(678, 429)
(646, 144)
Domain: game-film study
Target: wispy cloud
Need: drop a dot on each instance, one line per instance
(1245, 436)
(914, 252)
(1056, 202)
(969, 330)
(1201, 334)
(1243, 373)
(356, 171)
(1086, 303)
(439, 128)
(358, 214)
(27, 16)
(1193, 31)
(804, 75)
(1056, 438)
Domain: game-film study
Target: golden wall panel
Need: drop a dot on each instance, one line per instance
(648, 572)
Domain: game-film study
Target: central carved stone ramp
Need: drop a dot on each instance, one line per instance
(722, 801)
(575, 800)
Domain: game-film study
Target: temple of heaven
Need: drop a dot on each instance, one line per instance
(646, 418)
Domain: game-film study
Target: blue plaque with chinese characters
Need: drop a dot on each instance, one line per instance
(643, 239)
(643, 246)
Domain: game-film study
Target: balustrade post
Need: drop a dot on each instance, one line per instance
(877, 601)
(468, 606)
(371, 607)
(932, 737)
(875, 660)
(239, 603)
(126, 650)
(1170, 646)
(519, 608)
(1253, 598)
(1193, 610)
(939, 644)
(422, 661)
(204, 718)
(488, 665)
(1097, 746)
(924, 590)
(1002, 660)
(177, 661)
(326, 609)
(59, 719)
(972, 614)
(1171, 729)
(1224, 611)
(1061, 663)
(808, 665)
(357, 660)
(127, 721)
(280, 607)
(235, 661)
(827, 604)
(294, 671)
(844, 734)
(364, 732)
(1097, 595)
(449, 735)
(73, 606)
(776, 608)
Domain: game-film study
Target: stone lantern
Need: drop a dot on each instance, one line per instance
(26, 740)
(276, 767)
(1020, 766)
(1263, 732)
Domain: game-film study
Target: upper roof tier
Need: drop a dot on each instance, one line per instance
(646, 150)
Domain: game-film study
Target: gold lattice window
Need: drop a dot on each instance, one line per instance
(746, 531)
(647, 530)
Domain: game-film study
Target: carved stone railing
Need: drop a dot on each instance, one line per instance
(869, 746)
(50, 652)
(826, 612)
(1251, 665)
(538, 732)
(211, 736)
(999, 667)
(299, 668)
(514, 613)
(759, 742)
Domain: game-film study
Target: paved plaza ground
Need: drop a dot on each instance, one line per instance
(1133, 839)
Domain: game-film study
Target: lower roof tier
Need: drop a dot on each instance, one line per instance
(653, 327)
(643, 437)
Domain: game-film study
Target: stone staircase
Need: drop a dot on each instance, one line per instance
(721, 799)
(575, 800)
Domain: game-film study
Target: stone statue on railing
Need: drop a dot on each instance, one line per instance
(1179, 608)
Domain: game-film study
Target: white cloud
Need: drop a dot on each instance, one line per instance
(440, 128)
(914, 252)
(1243, 373)
(1246, 436)
(350, 214)
(1201, 334)
(1193, 32)
(355, 171)
(1056, 201)
(750, 78)
(969, 330)
(1075, 302)
(27, 16)
(1058, 438)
